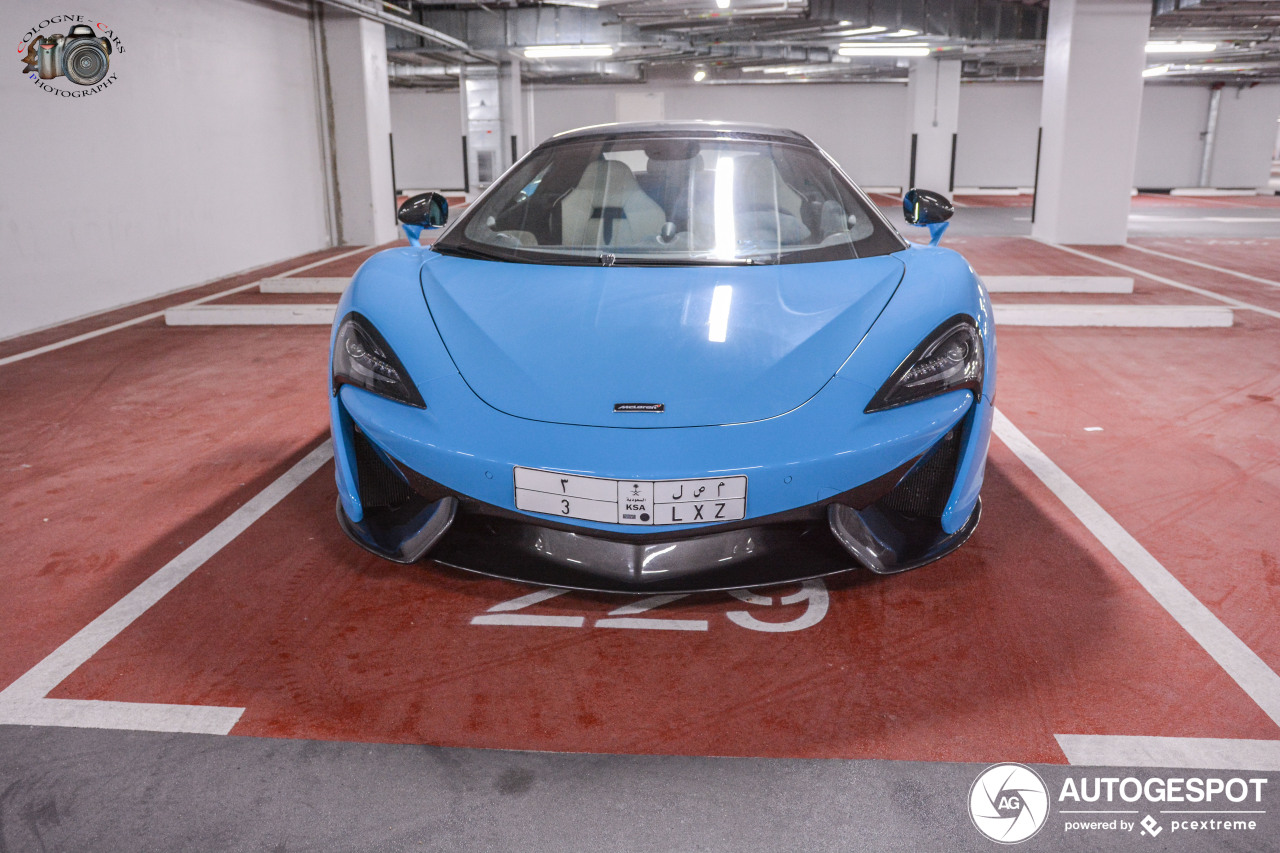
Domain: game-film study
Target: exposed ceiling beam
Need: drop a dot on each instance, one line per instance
(375, 13)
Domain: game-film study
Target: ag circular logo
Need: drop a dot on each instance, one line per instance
(1008, 803)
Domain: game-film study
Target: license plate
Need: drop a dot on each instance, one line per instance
(641, 502)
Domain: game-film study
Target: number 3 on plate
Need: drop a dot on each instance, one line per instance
(564, 511)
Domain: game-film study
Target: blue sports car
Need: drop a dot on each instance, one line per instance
(664, 357)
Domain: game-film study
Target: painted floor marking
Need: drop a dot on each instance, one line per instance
(1234, 303)
(1058, 283)
(1229, 651)
(24, 701)
(627, 616)
(281, 284)
(1117, 316)
(501, 613)
(1244, 275)
(1189, 752)
(157, 314)
(250, 315)
(813, 593)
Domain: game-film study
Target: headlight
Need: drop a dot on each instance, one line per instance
(950, 357)
(361, 357)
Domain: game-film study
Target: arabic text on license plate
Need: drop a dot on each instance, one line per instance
(643, 502)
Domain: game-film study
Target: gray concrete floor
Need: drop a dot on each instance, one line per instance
(102, 791)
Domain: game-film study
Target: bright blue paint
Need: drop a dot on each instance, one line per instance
(936, 230)
(825, 443)
(413, 232)
(565, 343)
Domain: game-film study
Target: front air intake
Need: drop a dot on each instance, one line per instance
(923, 493)
(379, 485)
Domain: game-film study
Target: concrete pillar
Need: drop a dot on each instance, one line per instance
(356, 54)
(1089, 116)
(512, 113)
(482, 125)
(933, 110)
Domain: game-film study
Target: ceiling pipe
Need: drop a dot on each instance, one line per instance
(377, 14)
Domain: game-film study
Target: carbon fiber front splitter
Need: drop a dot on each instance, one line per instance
(753, 556)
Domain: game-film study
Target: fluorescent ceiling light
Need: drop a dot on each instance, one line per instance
(1156, 70)
(721, 302)
(567, 51)
(722, 4)
(902, 34)
(725, 230)
(699, 76)
(1181, 47)
(863, 31)
(784, 69)
(884, 50)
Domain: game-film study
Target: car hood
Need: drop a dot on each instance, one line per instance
(711, 344)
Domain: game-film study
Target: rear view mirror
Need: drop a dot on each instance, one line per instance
(426, 210)
(927, 208)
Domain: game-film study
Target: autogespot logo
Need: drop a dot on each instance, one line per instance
(1008, 803)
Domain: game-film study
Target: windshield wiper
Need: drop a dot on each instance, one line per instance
(468, 252)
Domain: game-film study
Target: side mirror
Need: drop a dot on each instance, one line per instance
(928, 208)
(426, 210)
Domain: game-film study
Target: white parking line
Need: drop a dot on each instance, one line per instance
(250, 315)
(1238, 660)
(1058, 283)
(282, 284)
(1114, 316)
(1234, 303)
(157, 314)
(1244, 275)
(1191, 752)
(25, 702)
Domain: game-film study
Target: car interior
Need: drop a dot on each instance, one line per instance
(661, 196)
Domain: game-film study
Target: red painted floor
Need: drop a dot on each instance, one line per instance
(152, 435)
(1028, 631)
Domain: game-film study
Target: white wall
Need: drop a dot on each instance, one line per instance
(1170, 145)
(996, 138)
(427, 127)
(1246, 132)
(200, 160)
(861, 126)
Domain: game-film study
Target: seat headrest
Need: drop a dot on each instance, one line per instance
(608, 178)
(677, 168)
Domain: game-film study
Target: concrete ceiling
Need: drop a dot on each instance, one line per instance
(768, 41)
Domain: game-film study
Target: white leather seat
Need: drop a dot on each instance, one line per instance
(768, 210)
(608, 208)
(760, 187)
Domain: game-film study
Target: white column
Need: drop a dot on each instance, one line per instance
(1089, 115)
(933, 110)
(356, 53)
(512, 112)
(482, 125)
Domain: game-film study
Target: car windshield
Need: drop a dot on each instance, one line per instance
(672, 200)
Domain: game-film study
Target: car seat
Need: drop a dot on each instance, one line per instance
(608, 208)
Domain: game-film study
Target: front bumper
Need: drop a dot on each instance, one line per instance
(890, 523)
